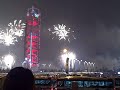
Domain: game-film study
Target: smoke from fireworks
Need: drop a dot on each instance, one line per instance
(9, 35)
(62, 32)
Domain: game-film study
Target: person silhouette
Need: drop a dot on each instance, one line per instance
(19, 78)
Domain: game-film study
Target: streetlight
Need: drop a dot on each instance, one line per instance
(93, 64)
(80, 63)
(77, 64)
(49, 65)
(86, 65)
(44, 66)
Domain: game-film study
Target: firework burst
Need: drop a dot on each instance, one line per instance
(17, 28)
(9, 35)
(7, 61)
(7, 38)
(61, 32)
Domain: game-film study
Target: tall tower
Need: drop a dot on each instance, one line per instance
(32, 37)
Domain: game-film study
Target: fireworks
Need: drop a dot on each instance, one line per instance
(62, 32)
(7, 38)
(9, 35)
(9, 61)
(71, 57)
(17, 28)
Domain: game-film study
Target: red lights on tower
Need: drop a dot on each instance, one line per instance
(32, 37)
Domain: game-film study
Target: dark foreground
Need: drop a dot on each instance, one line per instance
(72, 82)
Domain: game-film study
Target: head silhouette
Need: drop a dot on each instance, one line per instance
(19, 78)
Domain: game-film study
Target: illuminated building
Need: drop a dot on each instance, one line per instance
(32, 37)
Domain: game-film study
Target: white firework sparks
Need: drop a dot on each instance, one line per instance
(7, 61)
(62, 32)
(17, 28)
(7, 38)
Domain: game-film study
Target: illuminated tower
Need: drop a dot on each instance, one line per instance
(32, 37)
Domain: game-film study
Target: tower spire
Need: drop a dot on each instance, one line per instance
(35, 3)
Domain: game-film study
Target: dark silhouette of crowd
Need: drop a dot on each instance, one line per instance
(19, 78)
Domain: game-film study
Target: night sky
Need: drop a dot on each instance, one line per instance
(96, 24)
